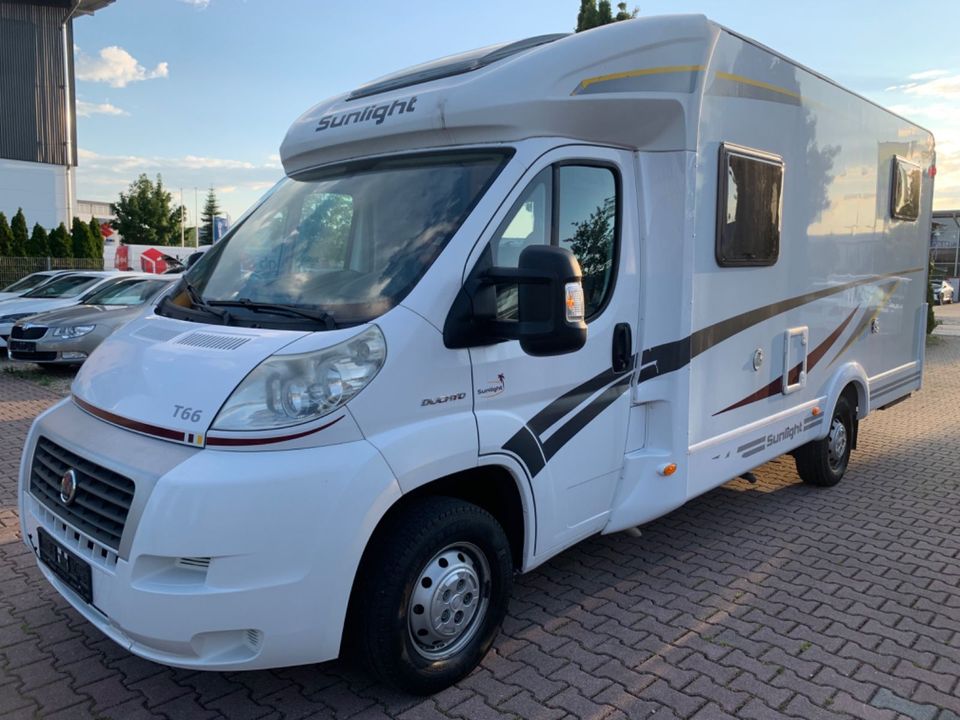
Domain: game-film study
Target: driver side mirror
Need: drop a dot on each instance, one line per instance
(550, 305)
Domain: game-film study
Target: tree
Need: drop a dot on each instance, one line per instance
(624, 14)
(96, 240)
(19, 230)
(59, 243)
(604, 13)
(592, 15)
(144, 214)
(587, 17)
(80, 239)
(37, 244)
(6, 236)
(210, 210)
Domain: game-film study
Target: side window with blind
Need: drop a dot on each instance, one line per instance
(749, 199)
(905, 191)
(575, 207)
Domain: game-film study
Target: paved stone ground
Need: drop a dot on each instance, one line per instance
(948, 317)
(766, 601)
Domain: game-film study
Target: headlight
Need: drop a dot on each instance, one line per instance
(72, 331)
(15, 317)
(292, 389)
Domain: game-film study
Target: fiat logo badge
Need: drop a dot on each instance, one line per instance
(68, 486)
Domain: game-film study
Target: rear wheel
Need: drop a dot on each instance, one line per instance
(823, 462)
(432, 594)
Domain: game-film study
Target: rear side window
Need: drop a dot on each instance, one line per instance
(749, 202)
(905, 190)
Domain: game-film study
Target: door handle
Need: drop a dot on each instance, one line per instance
(622, 345)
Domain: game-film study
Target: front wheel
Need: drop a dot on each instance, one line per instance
(823, 462)
(432, 594)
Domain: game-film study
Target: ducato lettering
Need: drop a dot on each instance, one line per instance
(443, 399)
(377, 113)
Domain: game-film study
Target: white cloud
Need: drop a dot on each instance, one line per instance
(86, 109)
(273, 161)
(116, 67)
(945, 87)
(238, 182)
(928, 74)
(193, 162)
(200, 4)
(125, 163)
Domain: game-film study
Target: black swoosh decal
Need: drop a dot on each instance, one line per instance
(674, 355)
(568, 430)
(545, 419)
(524, 445)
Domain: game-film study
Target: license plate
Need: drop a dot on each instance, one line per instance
(66, 566)
(21, 346)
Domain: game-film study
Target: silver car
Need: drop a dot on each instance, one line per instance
(30, 282)
(68, 335)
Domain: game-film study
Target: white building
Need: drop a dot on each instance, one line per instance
(38, 131)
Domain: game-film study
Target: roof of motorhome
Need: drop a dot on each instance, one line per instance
(635, 84)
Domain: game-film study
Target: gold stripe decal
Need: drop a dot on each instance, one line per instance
(628, 74)
(757, 83)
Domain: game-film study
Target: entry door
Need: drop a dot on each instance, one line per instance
(565, 417)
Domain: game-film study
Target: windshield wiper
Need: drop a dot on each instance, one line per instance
(319, 316)
(197, 299)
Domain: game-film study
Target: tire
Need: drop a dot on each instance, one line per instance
(823, 462)
(442, 553)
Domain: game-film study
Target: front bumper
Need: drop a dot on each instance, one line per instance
(228, 560)
(49, 350)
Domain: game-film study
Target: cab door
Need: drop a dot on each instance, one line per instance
(564, 418)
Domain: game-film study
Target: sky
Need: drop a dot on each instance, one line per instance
(203, 91)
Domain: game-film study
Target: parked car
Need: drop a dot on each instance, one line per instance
(64, 291)
(28, 283)
(67, 336)
(942, 292)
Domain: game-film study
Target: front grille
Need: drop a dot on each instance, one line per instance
(30, 333)
(33, 356)
(103, 497)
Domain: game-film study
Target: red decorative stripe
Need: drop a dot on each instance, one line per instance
(793, 377)
(267, 440)
(145, 428)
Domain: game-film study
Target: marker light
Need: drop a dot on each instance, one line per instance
(288, 390)
(574, 302)
(668, 469)
(815, 412)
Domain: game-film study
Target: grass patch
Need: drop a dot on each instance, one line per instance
(24, 373)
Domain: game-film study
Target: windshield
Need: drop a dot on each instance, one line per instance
(24, 284)
(348, 244)
(64, 287)
(135, 291)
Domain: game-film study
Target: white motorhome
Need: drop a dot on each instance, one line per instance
(502, 302)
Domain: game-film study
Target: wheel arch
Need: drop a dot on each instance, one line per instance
(502, 491)
(850, 378)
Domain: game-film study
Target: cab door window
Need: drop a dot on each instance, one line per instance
(575, 207)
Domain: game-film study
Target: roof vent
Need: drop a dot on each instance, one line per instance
(451, 65)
